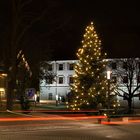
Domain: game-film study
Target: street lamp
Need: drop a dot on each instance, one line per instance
(56, 95)
(108, 93)
(56, 99)
(108, 75)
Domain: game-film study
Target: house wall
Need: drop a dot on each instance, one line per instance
(57, 88)
(49, 92)
(3, 86)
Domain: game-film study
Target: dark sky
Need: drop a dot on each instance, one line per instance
(61, 29)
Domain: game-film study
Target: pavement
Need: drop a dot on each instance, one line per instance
(35, 110)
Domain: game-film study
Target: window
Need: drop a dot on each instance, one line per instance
(139, 79)
(138, 94)
(71, 66)
(49, 81)
(61, 67)
(114, 66)
(139, 65)
(50, 67)
(125, 96)
(50, 96)
(70, 80)
(114, 79)
(125, 79)
(125, 65)
(61, 80)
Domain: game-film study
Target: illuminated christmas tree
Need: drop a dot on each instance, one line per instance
(90, 82)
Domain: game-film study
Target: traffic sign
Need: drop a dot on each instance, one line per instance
(30, 93)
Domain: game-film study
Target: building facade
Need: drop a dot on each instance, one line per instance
(64, 70)
(60, 87)
(3, 87)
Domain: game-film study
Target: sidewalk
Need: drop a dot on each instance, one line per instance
(45, 110)
(35, 110)
(45, 106)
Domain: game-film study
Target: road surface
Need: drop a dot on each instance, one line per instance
(66, 129)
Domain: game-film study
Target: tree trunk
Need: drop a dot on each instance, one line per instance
(11, 86)
(10, 93)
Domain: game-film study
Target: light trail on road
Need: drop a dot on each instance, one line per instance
(102, 119)
(120, 122)
(68, 118)
(51, 118)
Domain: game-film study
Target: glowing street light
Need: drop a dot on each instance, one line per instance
(108, 75)
(108, 94)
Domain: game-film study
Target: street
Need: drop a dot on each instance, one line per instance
(95, 132)
(66, 129)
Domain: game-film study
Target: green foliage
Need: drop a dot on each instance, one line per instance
(45, 73)
(90, 83)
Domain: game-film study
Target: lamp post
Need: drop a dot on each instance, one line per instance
(57, 99)
(108, 93)
(56, 95)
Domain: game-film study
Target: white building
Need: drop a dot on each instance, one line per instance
(64, 70)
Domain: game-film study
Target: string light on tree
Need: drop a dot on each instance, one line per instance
(21, 58)
(90, 84)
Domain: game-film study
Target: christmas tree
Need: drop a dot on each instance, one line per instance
(90, 83)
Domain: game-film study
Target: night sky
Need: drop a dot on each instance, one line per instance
(61, 29)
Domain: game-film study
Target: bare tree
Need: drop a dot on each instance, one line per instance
(22, 20)
(129, 82)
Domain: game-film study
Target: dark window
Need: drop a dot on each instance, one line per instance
(50, 96)
(139, 79)
(50, 67)
(114, 79)
(139, 65)
(70, 80)
(49, 80)
(71, 66)
(125, 65)
(114, 66)
(125, 96)
(61, 80)
(125, 79)
(61, 66)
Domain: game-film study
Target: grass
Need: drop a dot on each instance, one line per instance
(8, 114)
(51, 107)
